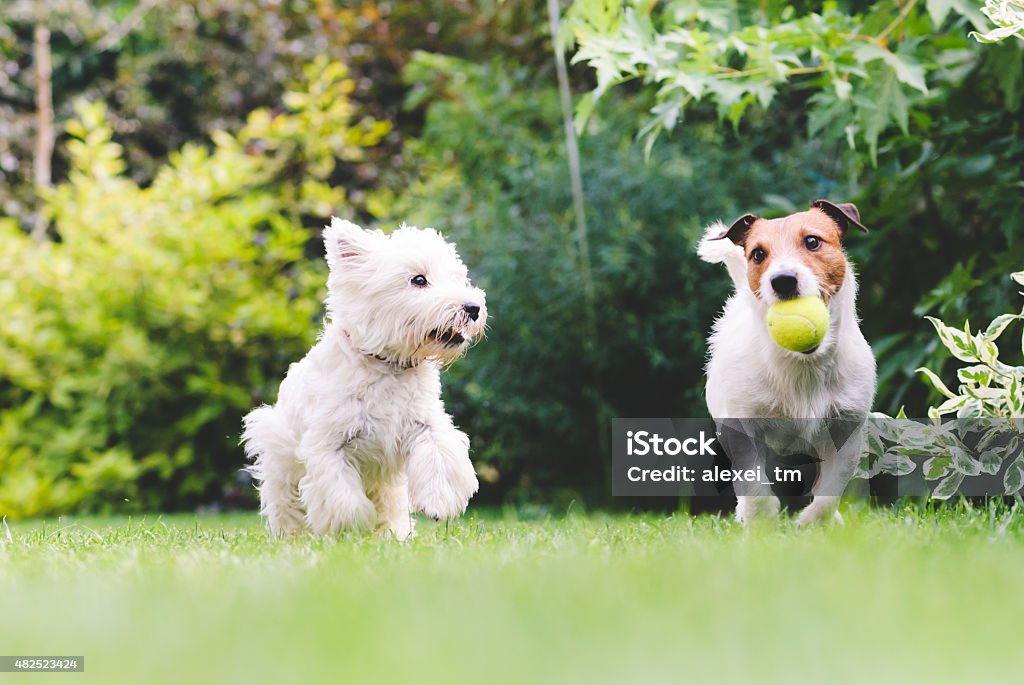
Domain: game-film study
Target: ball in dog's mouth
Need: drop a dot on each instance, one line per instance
(448, 337)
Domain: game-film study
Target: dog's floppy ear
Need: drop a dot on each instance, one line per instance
(843, 213)
(737, 233)
(344, 240)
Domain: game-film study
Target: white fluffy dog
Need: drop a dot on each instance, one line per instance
(814, 396)
(359, 437)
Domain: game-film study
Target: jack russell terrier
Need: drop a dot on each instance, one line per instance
(802, 396)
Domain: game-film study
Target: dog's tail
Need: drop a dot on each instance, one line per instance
(267, 438)
(715, 248)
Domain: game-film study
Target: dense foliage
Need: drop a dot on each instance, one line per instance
(175, 72)
(866, 69)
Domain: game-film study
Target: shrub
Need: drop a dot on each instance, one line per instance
(130, 348)
(989, 403)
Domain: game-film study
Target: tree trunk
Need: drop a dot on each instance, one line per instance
(44, 117)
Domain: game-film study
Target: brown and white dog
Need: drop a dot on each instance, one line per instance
(749, 376)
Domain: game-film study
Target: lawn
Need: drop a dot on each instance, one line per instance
(892, 596)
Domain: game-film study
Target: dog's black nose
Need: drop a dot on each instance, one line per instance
(473, 310)
(784, 285)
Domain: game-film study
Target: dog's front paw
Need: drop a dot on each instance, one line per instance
(285, 524)
(328, 517)
(752, 508)
(441, 477)
(821, 510)
(401, 529)
(445, 498)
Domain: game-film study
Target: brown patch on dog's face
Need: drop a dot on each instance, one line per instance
(828, 261)
(811, 237)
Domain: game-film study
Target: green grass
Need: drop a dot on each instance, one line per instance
(903, 596)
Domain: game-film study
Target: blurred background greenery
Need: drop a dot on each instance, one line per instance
(161, 265)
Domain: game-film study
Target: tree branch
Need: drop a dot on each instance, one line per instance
(125, 26)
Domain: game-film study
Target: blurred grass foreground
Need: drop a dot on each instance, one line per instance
(597, 599)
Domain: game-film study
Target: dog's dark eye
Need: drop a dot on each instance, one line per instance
(419, 280)
(758, 254)
(812, 242)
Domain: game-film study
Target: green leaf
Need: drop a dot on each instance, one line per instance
(1016, 395)
(843, 88)
(1009, 69)
(950, 406)
(948, 486)
(692, 82)
(881, 100)
(963, 462)
(936, 467)
(937, 383)
(825, 114)
(906, 69)
(897, 464)
(991, 461)
(938, 10)
(977, 375)
(874, 445)
(999, 34)
(957, 342)
(1013, 478)
(998, 325)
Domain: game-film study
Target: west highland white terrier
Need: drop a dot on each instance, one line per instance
(359, 438)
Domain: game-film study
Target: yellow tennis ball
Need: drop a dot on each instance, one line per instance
(798, 325)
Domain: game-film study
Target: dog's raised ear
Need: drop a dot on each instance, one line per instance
(344, 240)
(844, 214)
(737, 233)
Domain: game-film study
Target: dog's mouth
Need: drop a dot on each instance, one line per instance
(448, 337)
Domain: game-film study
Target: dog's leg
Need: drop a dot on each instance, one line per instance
(332, 492)
(441, 477)
(837, 468)
(744, 445)
(751, 508)
(393, 512)
(270, 445)
(820, 510)
(279, 496)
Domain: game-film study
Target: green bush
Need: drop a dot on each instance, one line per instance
(130, 348)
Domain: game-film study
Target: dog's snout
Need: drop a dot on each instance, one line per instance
(784, 285)
(473, 310)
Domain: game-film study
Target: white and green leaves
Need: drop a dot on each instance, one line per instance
(988, 404)
(1007, 15)
(988, 387)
